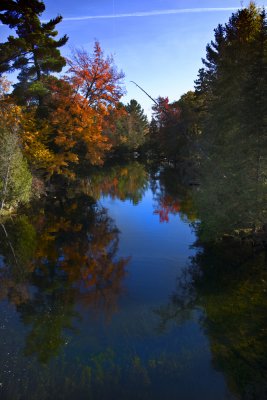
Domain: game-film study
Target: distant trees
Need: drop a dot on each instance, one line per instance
(127, 128)
(174, 129)
(137, 125)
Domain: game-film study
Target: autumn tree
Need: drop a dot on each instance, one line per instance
(79, 108)
(34, 51)
(174, 129)
(96, 78)
(72, 134)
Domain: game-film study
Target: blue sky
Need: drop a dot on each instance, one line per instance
(159, 49)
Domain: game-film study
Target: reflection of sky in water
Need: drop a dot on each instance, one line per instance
(158, 250)
(154, 362)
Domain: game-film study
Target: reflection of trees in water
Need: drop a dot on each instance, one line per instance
(123, 182)
(230, 200)
(226, 281)
(229, 285)
(170, 196)
(18, 243)
(67, 253)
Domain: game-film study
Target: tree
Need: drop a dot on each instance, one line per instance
(128, 130)
(15, 178)
(232, 90)
(96, 78)
(79, 107)
(161, 127)
(174, 129)
(73, 130)
(34, 51)
(137, 125)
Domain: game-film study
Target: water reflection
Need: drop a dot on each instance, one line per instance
(225, 283)
(123, 182)
(63, 255)
(78, 315)
(171, 197)
(228, 283)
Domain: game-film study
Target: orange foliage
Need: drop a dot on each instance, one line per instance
(80, 106)
(10, 114)
(76, 127)
(96, 78)
(78, 110)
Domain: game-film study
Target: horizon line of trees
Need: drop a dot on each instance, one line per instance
(53, 128)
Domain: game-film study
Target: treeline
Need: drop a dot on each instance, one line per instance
(53, 126)
(216, 135)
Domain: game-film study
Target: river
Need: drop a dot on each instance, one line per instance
(107, 294)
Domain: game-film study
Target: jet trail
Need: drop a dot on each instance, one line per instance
(153, 13)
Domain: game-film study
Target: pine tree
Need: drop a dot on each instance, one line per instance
(34, 51)
(232, 88)
(127, 128)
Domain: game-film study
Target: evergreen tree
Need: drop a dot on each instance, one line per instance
(34, 51)
(232, 91)
(135, 109)
(137, 125)
(130, 129)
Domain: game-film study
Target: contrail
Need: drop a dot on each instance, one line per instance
(153, 13)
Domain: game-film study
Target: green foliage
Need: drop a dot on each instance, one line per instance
(18, 244)
(232, 92)
(15, 178)
(131, 129)
(229, 285)
(34, 51)
(124, 182)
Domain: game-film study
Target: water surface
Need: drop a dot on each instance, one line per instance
(102, 297)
